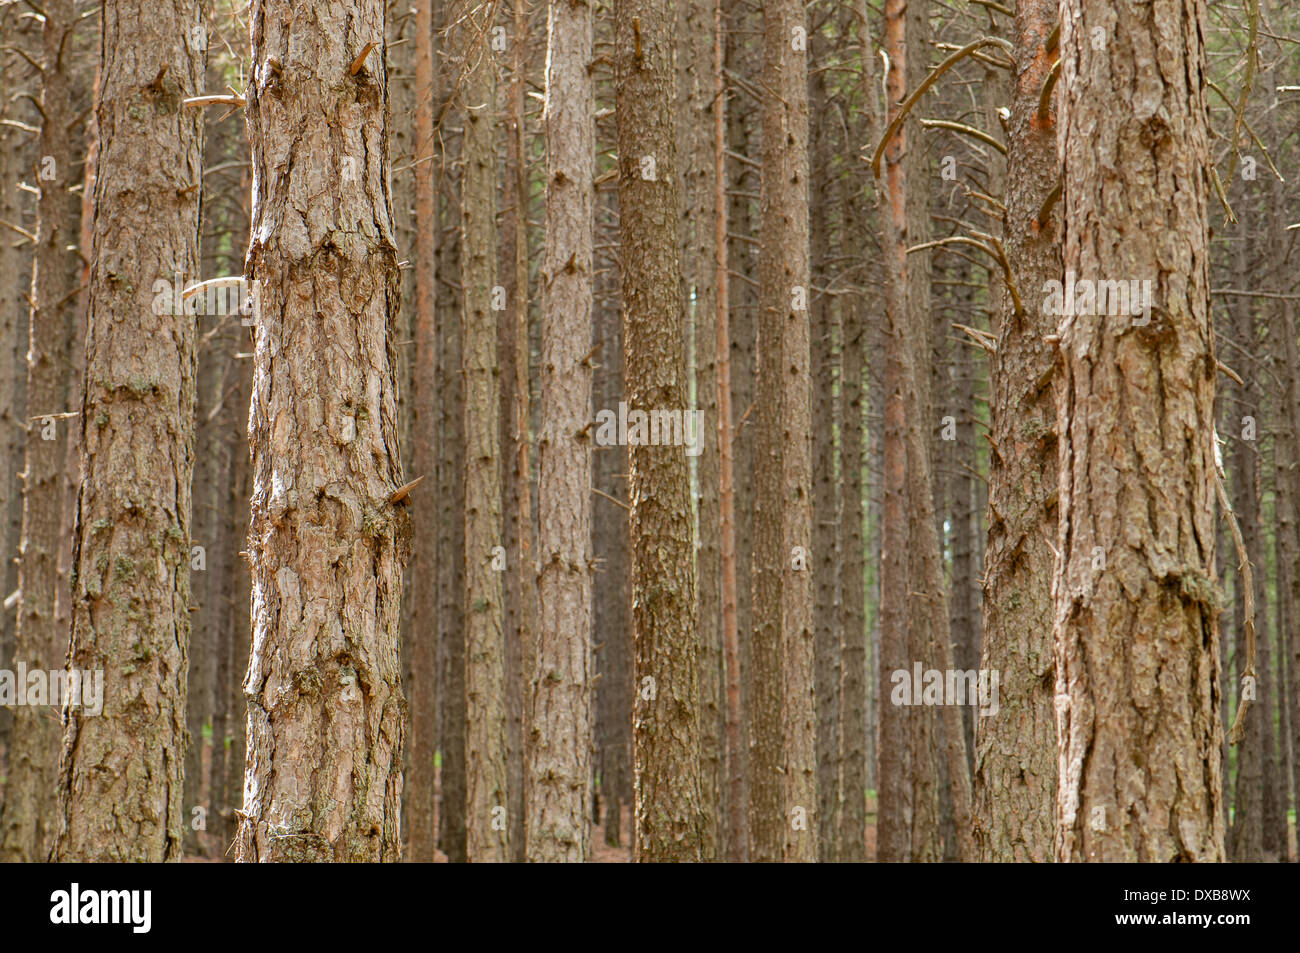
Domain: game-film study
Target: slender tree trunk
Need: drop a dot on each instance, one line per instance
(612, 596)
(131, 552)
(666, 746)
(903, 801)
(1137, 469)
(487, 797)
(559, 794)
(512, 336)
(325, 725)
(825, 522)
(1015, 756)
(699, 271)
(424, 456)
(735, 845)
(743, 57)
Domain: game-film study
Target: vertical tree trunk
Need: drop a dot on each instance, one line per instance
(699, 270)
(611, 589)
(851, 829)
(323, 779)
(512, 337)
(238, 636)
(783, 800)
(451, 572)
(735, 840)
(120, 785)
(784, 292)
(424, 452)
(825, 524)
(743, 57)
(486, 787)
(1014, 786)
(40, 637)
(666, 747)
(559, 794)
(903, 801)
(1137, 468)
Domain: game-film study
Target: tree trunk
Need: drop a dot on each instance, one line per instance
(735, 846)
(1137, 468)
(666, 746)
(512, 337)
(487, 798)
(120, 785)
(1015, 756)
(699, 270)
(825, 524)
(325, 724)
(424, 453)
(559, 794)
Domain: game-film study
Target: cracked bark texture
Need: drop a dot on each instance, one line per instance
(120, 777)
(665, 736)
(1137, 642)
(325, 705)
(1014, 787)
(560, 772)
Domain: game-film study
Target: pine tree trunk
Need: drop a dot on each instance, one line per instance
(734, 846)
(612, 625)
(825, 525)
(559, 792)
(1137, 468)
(487, 797)
(666, 746)
(131, 551)
(908, 797)
(1014, 786)
(512, 338)
(424, 453)
(699, 272)
(326, 729)
(451, 536)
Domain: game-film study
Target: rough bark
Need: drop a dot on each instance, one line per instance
(1014, 785)
(326, 720)
(666, 747)
(1136, 460)
(559, 792)
(120, 784)
(699, 272)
